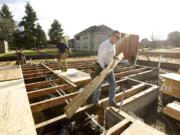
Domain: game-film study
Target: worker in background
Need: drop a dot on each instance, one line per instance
(21, 59)
(106, 53)
(62, 47)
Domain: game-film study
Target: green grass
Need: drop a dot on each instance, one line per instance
(177, 48)
(31, 52)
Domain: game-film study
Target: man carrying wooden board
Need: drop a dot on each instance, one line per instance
(106, 54)
(83, 95)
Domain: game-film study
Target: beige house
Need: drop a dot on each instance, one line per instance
(90, 38)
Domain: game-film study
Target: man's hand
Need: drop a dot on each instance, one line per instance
(115, 57)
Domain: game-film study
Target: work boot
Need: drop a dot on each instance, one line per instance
(97, 104)
(114, 105)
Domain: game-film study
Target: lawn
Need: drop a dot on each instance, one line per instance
(31, 52)
(177, 48)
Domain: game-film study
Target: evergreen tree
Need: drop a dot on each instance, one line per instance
(55, 32)
(28, 24)
(174, 37)
(41, 36)
(7, 24)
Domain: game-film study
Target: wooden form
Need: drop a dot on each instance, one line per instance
(128, 125)
(129, 46)
(89, 89)
(42, 92)
(173, 110)
(171, 86)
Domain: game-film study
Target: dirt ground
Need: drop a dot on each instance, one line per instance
(161, 121)
(164, 59)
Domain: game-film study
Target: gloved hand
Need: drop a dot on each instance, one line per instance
(115, 57)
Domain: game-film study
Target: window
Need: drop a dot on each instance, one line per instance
(77, 37)
(85, 46)
(85, 37)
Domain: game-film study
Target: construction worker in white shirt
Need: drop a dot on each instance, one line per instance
(106, 53)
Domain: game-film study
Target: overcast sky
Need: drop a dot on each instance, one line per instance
(142, 17)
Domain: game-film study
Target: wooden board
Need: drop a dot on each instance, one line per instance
(172, 76)
(74, 75)
(173, 110)
(15, 114)
(62, 77)
(140, 128)
(10, 73)
(171, 85)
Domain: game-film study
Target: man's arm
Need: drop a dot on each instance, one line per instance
(100, 56)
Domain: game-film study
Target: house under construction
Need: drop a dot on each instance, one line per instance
(34, 98)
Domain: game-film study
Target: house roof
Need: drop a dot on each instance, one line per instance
(94, 29)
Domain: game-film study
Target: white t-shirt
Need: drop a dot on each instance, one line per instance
(105, 53)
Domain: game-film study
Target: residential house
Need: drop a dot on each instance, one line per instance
(90, 38)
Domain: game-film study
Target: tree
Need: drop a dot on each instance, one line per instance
(153, 41)
(55, 32)
(41, 36)
(174, 37)
(19, 39)
(7, 24)
(28, 24)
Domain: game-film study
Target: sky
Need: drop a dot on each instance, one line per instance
(142, 17)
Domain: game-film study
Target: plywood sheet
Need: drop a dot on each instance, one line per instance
(140, 128)
(15, 114)
(172, 76)
(12, 72)
(74, 75)
(173, 110)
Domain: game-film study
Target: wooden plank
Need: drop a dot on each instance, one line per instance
(36, 74)
(172, 76)
(171, 86)
(118, 128)
(42, 105)
(89, 89)
(64, 78)
(42, 84)
(173, 110)
(127, 73)
(141, 128)
(12, 72)
(46, 91)
(145, 53)
(134, 90)
(89, 108)
(15, 114)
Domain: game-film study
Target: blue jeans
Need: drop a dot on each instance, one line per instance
(112, 89)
